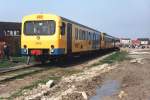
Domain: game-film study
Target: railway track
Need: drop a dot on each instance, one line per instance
(9, 69)
(13, 73)
(16, 73)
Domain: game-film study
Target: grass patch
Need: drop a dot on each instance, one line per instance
(96, 64)
(116, 57)
(20, 59)
(15, 61)
(1, 98)
(71, 72)
(6, 63)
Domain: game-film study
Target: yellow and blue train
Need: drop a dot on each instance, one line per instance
(53, 36)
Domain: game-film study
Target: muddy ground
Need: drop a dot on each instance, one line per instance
(133, 77)
(126, 80)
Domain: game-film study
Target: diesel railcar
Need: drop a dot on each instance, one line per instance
(50, 36)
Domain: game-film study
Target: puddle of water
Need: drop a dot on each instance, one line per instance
(109, 88)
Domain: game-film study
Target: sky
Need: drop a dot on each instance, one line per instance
(119, 18)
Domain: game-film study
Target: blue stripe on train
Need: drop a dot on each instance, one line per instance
(24, 52)
(58, 51)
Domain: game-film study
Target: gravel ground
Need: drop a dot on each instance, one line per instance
(11, 87)
(127, 80)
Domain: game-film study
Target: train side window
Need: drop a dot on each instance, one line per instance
(93, 37)
(76, 33)
(96, 37)
(86, 35)
(63, 28)
(80, 34)
(83, 35)
(89, 36)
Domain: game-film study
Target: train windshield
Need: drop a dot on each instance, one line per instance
(39, 27)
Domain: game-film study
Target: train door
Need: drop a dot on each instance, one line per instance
(69, 38)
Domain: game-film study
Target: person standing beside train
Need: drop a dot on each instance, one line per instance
(6, 50)
(1, 50)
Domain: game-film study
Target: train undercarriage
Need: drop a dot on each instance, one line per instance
(43, 56)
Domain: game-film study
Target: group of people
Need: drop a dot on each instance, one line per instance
(5, 51)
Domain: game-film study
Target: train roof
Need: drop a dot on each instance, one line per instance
(107, 35)
(79, 24)
(66, 20)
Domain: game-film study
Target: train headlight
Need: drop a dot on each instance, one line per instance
(25, 50)
(52, 50)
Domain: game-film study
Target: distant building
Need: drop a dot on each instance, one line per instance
(136, 42)
(10, 29)
(125, 42)
(10, 32)
(144, 41)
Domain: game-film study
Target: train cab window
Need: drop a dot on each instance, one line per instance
(46, 27)
(63, 28)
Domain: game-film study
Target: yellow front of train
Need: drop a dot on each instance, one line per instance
(41, 35)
